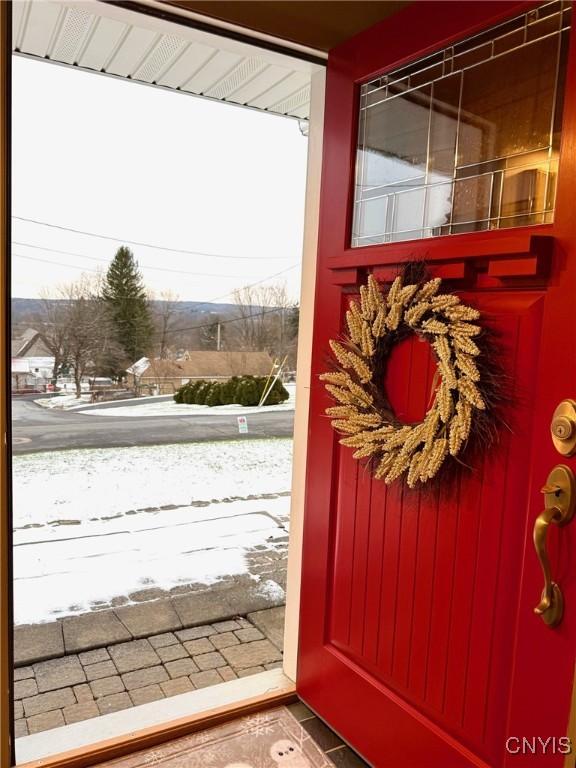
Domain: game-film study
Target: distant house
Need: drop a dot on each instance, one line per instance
(32, 363)
(31, 374)
(166, 376)
(22, 378)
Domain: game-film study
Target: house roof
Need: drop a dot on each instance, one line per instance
(24, 343)
(211, 364)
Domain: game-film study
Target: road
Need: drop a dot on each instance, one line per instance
(39, 429)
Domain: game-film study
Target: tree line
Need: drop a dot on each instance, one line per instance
(99, 326)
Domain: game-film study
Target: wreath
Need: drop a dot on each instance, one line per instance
(466, 389)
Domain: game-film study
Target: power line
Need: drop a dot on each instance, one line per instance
(146, 245)
(93, 271)
(99, 258)
(57, 263)
(197, 304)
(225, 322)
(251, 285)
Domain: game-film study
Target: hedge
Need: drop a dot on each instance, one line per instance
(242, 390)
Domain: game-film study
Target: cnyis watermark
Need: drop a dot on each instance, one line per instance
(539, 745)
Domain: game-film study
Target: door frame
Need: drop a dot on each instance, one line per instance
(304, 372)
(171, 729)
(6, 707)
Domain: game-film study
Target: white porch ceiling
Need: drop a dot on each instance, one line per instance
(115, 41)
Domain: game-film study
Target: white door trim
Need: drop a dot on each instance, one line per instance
(309, 258)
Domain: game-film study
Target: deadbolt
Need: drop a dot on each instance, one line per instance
(563, 428)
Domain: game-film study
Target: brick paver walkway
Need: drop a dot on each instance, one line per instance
(80, 686)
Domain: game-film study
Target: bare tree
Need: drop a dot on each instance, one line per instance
(53, 322)
(164, 314)
(262, 320)
(87, 325)
(252, 307)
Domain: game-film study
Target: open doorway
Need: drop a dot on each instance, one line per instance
(151, 489)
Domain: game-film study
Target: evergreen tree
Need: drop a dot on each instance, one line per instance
(125, 296)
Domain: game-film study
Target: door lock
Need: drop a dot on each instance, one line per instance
(563, 428)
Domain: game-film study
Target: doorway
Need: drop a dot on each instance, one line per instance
(226, 625)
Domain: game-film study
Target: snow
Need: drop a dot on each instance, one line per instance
(64, 402)
(92, 525)
(272, 590)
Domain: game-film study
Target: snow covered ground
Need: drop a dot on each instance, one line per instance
(64, 402)
(92, 525)
(155, 406)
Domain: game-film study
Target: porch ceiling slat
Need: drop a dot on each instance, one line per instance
(191, 60)
(105, 38)
(260, 84)
(19, 11)
(73, 32)
(294, 102)
(40, 27)
(131, 53)
(164, 52)
(213, 71)
(241, 74)
(280, 91)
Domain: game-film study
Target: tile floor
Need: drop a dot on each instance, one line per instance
(331, 744)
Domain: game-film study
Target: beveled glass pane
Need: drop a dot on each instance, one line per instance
(396, 140)
(471, 202)
(508, 103)
(467, 138)
(409, 212)
(444, 127)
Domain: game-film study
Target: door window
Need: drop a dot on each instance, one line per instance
(466, 139)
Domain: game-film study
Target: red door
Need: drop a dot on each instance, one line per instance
(450, 136)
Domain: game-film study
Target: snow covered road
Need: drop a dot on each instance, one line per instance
(94, 525)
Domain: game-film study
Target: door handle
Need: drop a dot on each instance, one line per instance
(559, 495)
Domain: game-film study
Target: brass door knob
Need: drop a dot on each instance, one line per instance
(563, 428)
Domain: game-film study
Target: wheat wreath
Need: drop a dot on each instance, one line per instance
(363, 414)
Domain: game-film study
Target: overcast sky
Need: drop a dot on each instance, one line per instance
(125, 160)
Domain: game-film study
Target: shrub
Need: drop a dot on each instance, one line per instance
(189, 390)
(202, 392)
(228, 390)
(248, 391)
(213, 396)
(196, 387)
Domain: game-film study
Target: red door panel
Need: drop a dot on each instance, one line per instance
(419, 643)
(419, 579)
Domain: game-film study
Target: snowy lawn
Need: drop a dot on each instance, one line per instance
(86, 529)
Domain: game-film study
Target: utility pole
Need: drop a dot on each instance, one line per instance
(218, 338)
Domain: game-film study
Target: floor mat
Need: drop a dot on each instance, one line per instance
(272, 739)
